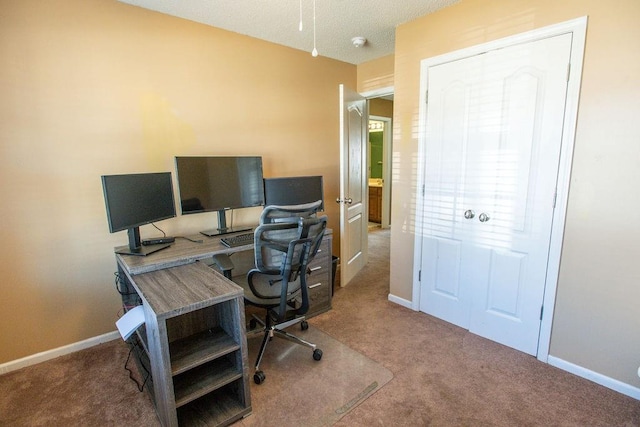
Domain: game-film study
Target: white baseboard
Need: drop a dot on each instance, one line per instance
(56, 352)
(401, 301)
(597, 378)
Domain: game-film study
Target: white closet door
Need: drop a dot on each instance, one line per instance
(494, 131)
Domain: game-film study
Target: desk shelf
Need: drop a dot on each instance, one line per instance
(193, 351)
(219, 407)
(204, 379)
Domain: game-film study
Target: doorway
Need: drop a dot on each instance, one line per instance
(379, 155)
(379, 171)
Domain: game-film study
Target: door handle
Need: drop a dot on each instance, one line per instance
(468, 214)
(483, 217)
(347, 201)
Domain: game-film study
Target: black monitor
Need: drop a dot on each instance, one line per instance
(294, 190)
(133, 200)
(218, 184)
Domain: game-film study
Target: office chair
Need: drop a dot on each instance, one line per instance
(286, 240)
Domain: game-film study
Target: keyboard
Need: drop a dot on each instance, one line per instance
(237, 240)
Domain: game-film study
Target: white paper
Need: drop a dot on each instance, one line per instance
(130, 321)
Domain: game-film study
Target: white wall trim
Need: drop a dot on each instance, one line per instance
(57, 352)
(597, 378)
(377, 93)
(401, 301)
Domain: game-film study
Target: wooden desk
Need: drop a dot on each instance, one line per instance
(194, 334)
(181, 252)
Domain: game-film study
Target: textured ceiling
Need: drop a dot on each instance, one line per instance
(337, 21)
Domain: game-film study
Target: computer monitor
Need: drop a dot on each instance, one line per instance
(294, 190)
(218, 184)
(133, 200)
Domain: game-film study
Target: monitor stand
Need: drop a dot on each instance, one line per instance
(141, 251)
(222, 227)
(135, 245)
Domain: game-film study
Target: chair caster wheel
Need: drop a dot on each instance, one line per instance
(258, 377)
(317, 354)
(304, 325)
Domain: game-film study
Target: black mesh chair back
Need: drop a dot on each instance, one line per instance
(274, 213)
(282, 254)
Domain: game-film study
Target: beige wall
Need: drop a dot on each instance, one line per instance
(376, 74)
(596, 324)
(381, 107)
(92, 87)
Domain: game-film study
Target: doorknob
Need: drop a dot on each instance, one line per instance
(348, 200)
(469, 214)
(483, 217)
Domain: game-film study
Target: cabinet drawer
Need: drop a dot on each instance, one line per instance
(322, 255)
(316, 270)
(319, 289)
(319, 281)
(319, 297)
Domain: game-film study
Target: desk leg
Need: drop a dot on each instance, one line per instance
(161, 368)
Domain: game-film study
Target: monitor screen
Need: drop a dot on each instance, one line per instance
(219, 183)
(136, 199)
(295, 190)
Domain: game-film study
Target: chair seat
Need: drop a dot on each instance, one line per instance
(253, 299)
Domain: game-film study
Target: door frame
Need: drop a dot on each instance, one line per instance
(578, 28)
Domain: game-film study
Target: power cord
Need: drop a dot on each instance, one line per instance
(118, 282)
(191, 240)
(177, 237)
(131, 377)
(159, 229)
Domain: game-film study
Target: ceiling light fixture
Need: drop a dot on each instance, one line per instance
(358, 41)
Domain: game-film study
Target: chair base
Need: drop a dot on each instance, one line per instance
(270, 330)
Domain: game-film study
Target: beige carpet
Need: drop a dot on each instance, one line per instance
(305, 392)
(86, 388)
(92, 388)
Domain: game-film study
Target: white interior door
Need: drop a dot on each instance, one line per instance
(353, 183)
(494, 127)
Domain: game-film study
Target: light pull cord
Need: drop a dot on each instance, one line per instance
(300, 25)
(314, 52)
